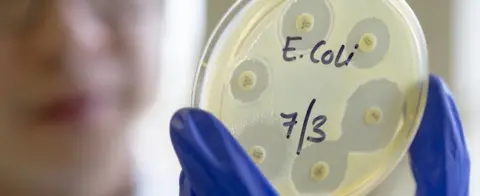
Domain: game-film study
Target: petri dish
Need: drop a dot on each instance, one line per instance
(324, 95)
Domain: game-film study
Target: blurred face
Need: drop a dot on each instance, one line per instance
(72, 74)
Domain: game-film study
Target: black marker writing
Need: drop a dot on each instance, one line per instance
(287, 48)
(317, 123)
(327, 57)
(290, 124)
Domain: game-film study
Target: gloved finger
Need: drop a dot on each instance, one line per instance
(185, 189)
(212, 161)
(439, 156)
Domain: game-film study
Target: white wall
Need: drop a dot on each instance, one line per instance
(185, 25)
(465, 42)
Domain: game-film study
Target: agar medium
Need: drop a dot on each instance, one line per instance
(324, 95)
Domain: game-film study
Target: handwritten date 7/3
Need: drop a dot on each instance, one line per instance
(317, 123)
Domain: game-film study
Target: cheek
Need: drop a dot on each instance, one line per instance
(142, 45)
(12, 82)
(7, 72)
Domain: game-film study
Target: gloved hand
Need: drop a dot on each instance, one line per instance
(214, 164)
(439, 157)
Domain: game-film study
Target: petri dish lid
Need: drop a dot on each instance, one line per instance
(325, 95)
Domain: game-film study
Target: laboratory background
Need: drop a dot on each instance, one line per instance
(451, 28)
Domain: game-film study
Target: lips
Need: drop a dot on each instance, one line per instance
(66, 109)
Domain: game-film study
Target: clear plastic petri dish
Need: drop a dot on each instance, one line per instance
(325, 95)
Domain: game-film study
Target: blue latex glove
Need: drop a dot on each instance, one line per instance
(439, 156)
(214, 164)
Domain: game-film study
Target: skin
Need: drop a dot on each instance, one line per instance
(99, 55)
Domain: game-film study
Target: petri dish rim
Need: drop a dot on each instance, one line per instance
(400, 147)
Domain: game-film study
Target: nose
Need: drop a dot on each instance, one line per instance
(69, 31)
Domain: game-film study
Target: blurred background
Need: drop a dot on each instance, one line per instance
(451, 27)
